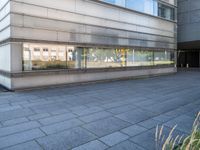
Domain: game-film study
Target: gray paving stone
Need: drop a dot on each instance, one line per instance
(50, 107)
(58, 112)
(126, 145)
(18, 128)
(106, 126)
(57, 118)
(93, 145)
(162, 118)
(131, 101)
(135, 116)
(121, 109)
(133, 130)
(37, 102)
(21, 137)
(20, 103)
(15, 114)
(4, 105)
(66, 140)
(184, 123)
(147, 139)
(113, 104)
(25, 146)
(57, 127)
(8, 108)
(15, 121)
(78, 108)
(150, 123)
(95, 116)
(90, 110)
(39, 116)
(114, 138)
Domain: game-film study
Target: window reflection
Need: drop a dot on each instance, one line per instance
(163, 57)
(166, 12)
(152, 7)
(139, 58)
(47, 56)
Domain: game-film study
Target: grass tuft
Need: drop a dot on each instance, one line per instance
(192, 142)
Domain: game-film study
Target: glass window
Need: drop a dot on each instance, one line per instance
(166, 12)
(146, 6)
(47, 56)
(163, 57)
(36, 57)
(139, 58)
(104, 58)
(135, 5)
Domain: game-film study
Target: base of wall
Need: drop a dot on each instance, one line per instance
(37, 81)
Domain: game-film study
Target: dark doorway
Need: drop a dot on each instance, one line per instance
(190, 59)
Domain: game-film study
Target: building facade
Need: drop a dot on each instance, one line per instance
(51, 42)
(188, 33)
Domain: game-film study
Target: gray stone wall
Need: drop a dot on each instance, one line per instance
(188, 20)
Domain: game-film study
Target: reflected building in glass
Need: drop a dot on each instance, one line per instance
(74, 41)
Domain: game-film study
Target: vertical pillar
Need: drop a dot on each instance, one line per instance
(79, 52)
(176, 59)
(16, 57)
(199, 58)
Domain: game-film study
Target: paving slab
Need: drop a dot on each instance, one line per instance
(25, 146)
(21, 137)
(106, 126)
(119, 115)
(93, 145)
(114, 138)
(127, 145)
(67, 139)
(133, 130)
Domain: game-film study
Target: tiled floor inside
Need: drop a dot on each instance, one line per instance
(120, 115)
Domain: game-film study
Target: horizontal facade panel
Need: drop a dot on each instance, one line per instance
(4, 11)
(56, 4)
(39, 34)
(4, 23)
(53, 25)
(5, 34)
(123, 16)
(3, 3)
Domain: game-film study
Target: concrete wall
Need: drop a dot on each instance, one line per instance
(56, 79)
(188, 20)
(90, 22)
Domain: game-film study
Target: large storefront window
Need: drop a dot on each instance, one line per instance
(50, 57)
(152, 7)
